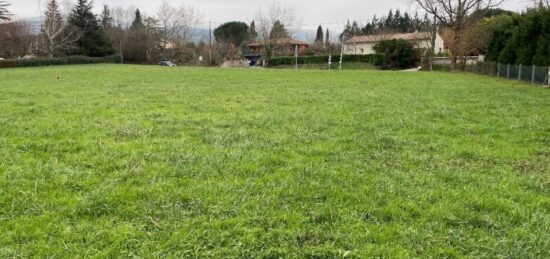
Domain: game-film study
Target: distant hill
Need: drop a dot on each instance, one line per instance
(200, 34)
(35, 23)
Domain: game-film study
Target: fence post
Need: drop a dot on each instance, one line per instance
(519, 74)
(498, 69)
(533, 75)
(548, 76)
(508, 72)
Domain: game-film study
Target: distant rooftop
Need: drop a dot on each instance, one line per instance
(285, 41)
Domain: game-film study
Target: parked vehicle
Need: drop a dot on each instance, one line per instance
(166, 63)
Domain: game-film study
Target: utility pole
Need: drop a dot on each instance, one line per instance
(342, 49)
(121, 51)
(166, 41)
(296, 55)
(432, 49)
(355, 40)
(210, 40)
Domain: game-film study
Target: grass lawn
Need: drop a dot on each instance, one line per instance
(123, 161)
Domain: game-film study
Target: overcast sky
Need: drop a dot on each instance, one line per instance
(330, 13)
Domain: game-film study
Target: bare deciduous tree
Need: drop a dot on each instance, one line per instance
(57, 34)
(15, 39)
(456, 15)
(178, 23)
(541, 3)
(123, 17)
(267, 19)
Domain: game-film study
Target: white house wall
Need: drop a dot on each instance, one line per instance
(368, 48)
(359, 48)
(439, 44)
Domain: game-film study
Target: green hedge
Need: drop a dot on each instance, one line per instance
(375, 59)
(70, 60)
(400, 54)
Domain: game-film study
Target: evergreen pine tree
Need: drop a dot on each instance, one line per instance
(136, 49)
(93, 41)
(4, 12)
(278, 31)
(347, 29)
(417, 23)
(397, 21)
(406, 24)
(52, 29)
(374, 25)
(106, 18)
(52, 15)
(389, 20)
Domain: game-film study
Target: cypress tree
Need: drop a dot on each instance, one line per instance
(138, 21)
(319, 37)
(93, 41)
(252, 34)
(327, 39)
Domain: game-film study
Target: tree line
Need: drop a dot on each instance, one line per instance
(393, 22)
(125, 32)
(519, 38)
(138, 37)
(471, 27)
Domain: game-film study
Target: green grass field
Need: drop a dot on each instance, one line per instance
(334, 66)
(141, 161)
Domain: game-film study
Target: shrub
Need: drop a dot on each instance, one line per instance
(8, 63)
(400, 54)
(70, 60)
(375, 59)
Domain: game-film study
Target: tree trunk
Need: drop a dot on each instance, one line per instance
(456, 48)
(454, 58)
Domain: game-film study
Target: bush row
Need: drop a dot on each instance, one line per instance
(70, 60)
(520, 39)
(375, 59)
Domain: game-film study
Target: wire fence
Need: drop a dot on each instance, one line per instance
(532, 74)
